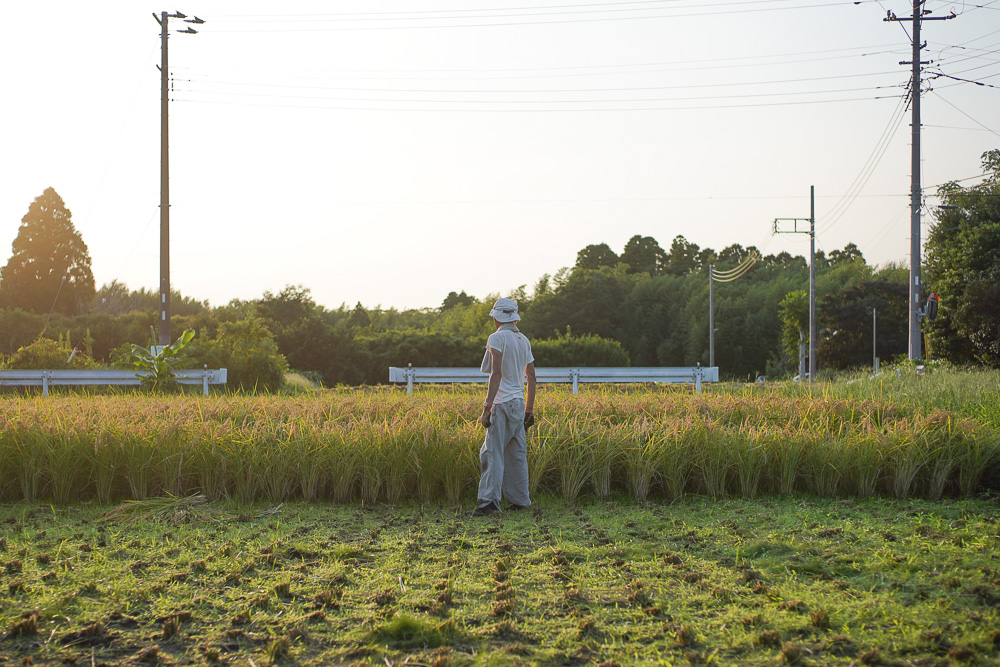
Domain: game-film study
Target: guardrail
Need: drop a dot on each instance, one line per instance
(588, 374)
(57, 378)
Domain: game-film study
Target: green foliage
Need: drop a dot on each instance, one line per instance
(962, 266)
(157, 370)
(48, 354)
(248, 352)
(794, 309)
(375, 353)
(454, 299)
(568, 350)
(596, 256)
(116, 299)
(50, 265)
(846, 341)
(644, 255)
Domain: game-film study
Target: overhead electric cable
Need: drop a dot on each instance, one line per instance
(217, 20)
(562, 110)
(992, 131)
(539, 91)
(874, 158)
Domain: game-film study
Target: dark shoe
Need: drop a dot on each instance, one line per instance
(516, 508)
(486, 510)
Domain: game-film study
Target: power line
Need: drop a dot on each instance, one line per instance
(537, 91)
(271, 18)
(878, 152)
(522, 23)
(681, 65)
(938, 95)
(562, 110)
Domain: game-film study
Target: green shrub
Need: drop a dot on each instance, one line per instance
(248, 351)
(46, 353)
(569, 350)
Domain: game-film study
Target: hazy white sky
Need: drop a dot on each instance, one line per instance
(380, 151)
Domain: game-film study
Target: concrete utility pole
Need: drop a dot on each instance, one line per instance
(812, 270)
(918, 17)
(164, 20)
(711, 317)
(812, 282)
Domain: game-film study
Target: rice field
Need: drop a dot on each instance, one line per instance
(926, 437)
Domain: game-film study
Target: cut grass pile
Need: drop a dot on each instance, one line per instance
(383, 446)
(790, 580)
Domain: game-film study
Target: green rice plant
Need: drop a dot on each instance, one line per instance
(750, 452)
(397, 443)
(208, 459)
(243, 465)
(574, 455)
(461, 466)
(140, 457)
(979, 453)
(676, 458)
(170, 466)
(373, 471)
(427, 461)
(8, 473)
(867, 453)
(944, 453)
(66, 463)
(826, 462)
(788, 447)
(641, 456)
(909, 453)
(541, 455)
(302, 448)
(604, 453)
(714, 452)
(29, 463)
(105, 462)
(339, 456)
(278, 463)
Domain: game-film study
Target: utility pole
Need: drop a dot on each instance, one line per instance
(711, 317)
(812, 282)
(812, 270)
(874, 340)
(164, 20)
(918, 17)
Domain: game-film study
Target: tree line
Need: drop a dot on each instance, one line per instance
(645, 306)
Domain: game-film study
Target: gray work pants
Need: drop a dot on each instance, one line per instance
(503, 459)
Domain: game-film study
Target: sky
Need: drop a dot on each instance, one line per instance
(389, 153)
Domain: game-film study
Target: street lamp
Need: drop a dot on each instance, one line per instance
(164, 20)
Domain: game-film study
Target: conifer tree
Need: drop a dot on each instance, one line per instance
(50, 265)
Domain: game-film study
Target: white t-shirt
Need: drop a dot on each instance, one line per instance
(516, 351)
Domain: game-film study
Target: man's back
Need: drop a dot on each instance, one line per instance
(516, 351)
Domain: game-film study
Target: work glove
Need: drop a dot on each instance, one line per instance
(529, 420)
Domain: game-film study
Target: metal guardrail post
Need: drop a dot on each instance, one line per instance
(204, 379)
(45, 383)
(574, 374)
(409, 379)
(699, 372)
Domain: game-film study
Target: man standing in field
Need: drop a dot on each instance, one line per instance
(503, 459)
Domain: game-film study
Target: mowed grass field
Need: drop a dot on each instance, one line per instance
(770, 581)
(834, 524)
